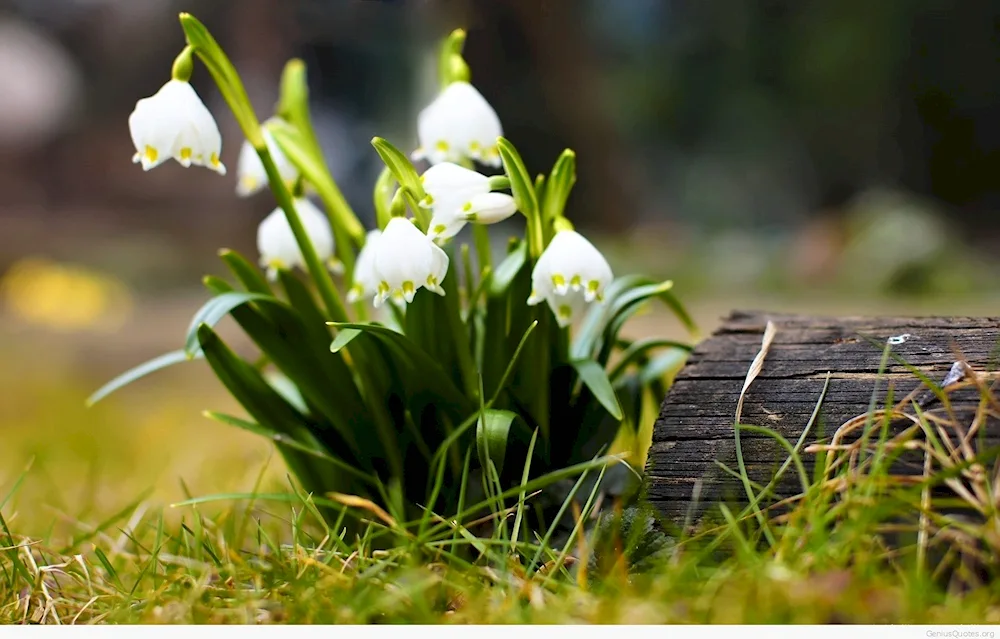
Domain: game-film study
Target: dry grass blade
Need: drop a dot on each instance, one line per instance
(756, 365)
(354, 501)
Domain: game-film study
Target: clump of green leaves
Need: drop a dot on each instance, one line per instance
(448, 406)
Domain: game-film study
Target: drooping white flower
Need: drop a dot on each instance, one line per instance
(405, 260)
(457, 195)
(459, 124)
(250, 174)
(489, 208)
(175, 123)
(276, 242)
(366, 281)
(570, 273)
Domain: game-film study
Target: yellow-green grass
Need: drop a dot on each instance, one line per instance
(86, 497)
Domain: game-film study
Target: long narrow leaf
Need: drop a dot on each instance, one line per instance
(140, 371)
(248, 275)
(508, 269)
(492, 432)
(639, 350)
(401, 167)
(285, 440)
(593, 376)
(215, 309)
(420, 370)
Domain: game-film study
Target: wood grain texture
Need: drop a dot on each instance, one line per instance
(695, 426)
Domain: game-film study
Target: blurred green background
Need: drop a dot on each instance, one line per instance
(827, 156)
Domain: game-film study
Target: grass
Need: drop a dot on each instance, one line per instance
(89, 532)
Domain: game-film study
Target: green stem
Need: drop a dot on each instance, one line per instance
(536, 236)
(422, 215)
(481, 238)
(320, 274)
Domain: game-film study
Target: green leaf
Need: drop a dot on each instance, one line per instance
(539, 187)
(248, 386)
(215, 309)
(521, 184)
(284, 440)
(492, 431)
(640, 350)
(401, 167)
(297, 148)
(623, 308)
(344, 337)
(247, 274)
(382, 196)
(416, 370)
(14, 555)
(661, 365)
(623, 298)
(268, 409)
(593, 376)
(508, 269)
(302, 301)
(558, 186)
(217, 285)
(675, 304)
(101, 557)
(288, 389)
(296, 341)
(596, 317)
(225, 76)
(153, 365)
(514, 359)
(435, 322)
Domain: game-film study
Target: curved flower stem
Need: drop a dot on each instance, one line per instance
(228, 81)
(183, 65)
(318, 271)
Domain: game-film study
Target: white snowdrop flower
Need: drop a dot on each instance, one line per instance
(405, 260)
(489, 208)
(175, 123)
(457, 195)
(365, 279)
(276, 242)
(569, 274)
(251, 177)
(459, 124)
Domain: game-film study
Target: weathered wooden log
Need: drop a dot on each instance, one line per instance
(695, 429)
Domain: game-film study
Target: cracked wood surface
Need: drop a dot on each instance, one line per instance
(695, 426)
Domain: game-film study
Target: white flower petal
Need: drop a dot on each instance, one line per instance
(489, 208)
(448, 176)
(459, 124)
(443, 227)
(570, 272)
(405, 260)
(567, 308)
(276, 242)
(366, 281)
(251, 177)
(174, 122)
(453, 193)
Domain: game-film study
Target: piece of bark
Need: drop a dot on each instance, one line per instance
(695, 429)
